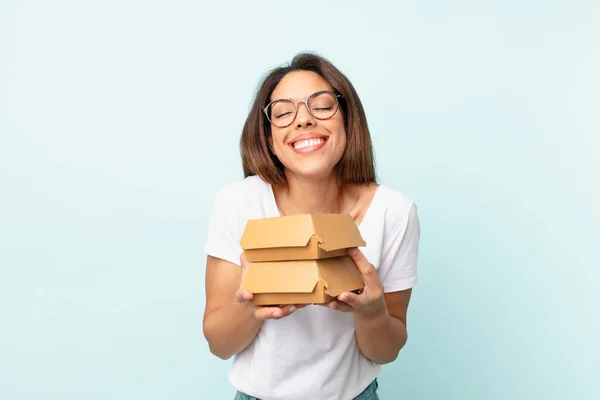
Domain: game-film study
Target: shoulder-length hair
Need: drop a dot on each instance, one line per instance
(357, 162)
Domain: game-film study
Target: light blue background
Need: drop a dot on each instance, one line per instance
(119, 120)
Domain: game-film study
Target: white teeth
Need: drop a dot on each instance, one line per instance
(306, 143)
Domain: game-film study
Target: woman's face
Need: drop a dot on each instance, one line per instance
(308, 147)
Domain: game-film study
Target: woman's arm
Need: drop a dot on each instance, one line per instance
(381, 336)
(231, 322)
(229, 325)
(379, 318)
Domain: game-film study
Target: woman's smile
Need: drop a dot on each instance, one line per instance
(308, 143)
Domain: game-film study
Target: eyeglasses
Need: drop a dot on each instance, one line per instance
(321, 105)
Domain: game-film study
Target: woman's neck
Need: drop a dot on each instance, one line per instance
(302, 196)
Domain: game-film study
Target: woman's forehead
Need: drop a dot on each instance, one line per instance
(299, 85)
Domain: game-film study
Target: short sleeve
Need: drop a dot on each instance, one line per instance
(398, 266)
(224, 232)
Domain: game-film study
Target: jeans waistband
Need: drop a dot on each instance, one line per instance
(367, 394)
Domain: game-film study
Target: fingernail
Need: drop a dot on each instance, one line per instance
(292, 309)
(353, 250)
(277, 314)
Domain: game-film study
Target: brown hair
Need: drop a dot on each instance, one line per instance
(357, 163)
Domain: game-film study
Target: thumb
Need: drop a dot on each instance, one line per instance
(243, 295)
(352, 299)
(244, 264)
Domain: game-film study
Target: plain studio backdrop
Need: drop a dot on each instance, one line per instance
(119, 121)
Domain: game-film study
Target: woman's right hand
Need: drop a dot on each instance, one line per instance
(261, 312)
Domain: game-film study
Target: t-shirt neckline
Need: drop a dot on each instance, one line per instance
(275, 210)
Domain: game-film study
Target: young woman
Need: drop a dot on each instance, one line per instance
(306, 148)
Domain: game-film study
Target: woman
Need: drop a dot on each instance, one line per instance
(306, 148)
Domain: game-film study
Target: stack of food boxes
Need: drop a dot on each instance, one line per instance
(301, 259)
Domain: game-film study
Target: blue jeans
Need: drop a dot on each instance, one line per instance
(370, 393)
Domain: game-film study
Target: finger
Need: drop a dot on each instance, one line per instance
(290, 309)
(276, 312)
(352, 299)
(338, 306)
(366, 269)
(263, 313)
(294, 307)
(243, 296)
(244, 263)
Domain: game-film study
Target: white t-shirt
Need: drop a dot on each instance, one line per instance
(312, 354)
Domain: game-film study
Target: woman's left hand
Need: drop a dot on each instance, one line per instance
(370, 300)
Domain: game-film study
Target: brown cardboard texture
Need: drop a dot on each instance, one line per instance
(302, 281)
(300, 237)
(301, 259)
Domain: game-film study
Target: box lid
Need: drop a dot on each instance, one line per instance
(334, 231)
(338, 274)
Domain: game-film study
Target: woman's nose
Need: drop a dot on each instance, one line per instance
(303, 118)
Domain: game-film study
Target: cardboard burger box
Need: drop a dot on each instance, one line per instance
(301, 259)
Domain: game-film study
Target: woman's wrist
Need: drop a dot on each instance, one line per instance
(380, 315)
